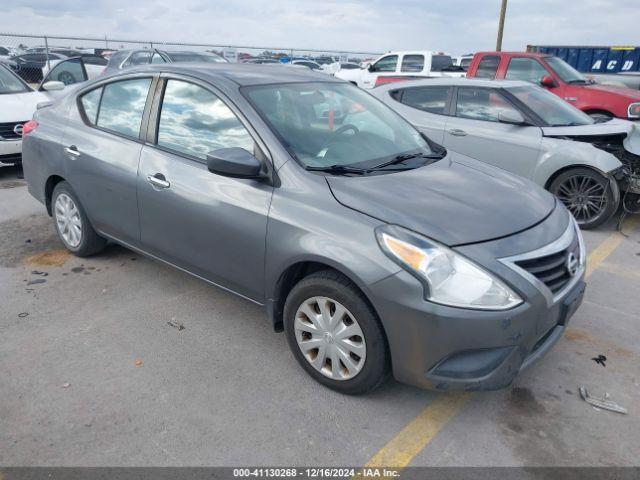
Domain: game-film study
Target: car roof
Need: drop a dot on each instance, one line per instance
(517, 54)
(243, 74)
(458, 82)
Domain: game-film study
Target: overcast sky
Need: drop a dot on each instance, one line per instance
(456, 26)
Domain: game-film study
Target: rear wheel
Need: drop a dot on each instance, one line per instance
(72, 224)
(586, 194)
(334, 333)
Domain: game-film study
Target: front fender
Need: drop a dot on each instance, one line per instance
(559, 154)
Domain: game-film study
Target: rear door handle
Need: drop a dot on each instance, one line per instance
(158, 180)
(456, 132)
(72, 150)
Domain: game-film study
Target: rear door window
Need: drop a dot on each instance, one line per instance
(441, 63)
(122, 106)
(429, 99)
(481, 104)
(412, 63)
(528, 69)
(488, 67)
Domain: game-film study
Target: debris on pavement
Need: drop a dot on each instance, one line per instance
(600, 359)
(23, 314)
(36, 281)
(38, 272)
(173, 323)
(66, 385)
(603, 403)
(138, 362)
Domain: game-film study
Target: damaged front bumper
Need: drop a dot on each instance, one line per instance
(447, 348)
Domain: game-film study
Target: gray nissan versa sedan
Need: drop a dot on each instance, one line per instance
(371, 246)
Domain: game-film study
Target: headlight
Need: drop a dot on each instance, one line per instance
(634, 110)
(448, 277)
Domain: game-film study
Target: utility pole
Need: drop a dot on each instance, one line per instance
(503, 10)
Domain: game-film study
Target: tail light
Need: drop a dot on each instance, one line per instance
(29, 127)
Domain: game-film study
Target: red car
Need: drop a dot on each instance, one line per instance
(553, 73)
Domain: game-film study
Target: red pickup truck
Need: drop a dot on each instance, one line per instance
(560, 78)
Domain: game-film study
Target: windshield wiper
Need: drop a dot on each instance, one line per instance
(338, 169)
(578, 80)
(408, 156)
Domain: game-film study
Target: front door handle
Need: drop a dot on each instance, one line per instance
(158, 181)
(456, 132)
(72, 150)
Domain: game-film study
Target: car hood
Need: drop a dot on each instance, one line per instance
(630, 93)
(19, 107)
(455, 201)
(615, 126)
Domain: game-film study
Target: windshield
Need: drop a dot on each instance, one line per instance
(332, 124)
(550, 108)
(195, 57)
(565, 71)
(9, 83)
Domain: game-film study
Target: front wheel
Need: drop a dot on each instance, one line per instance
(334, 333)
(587, 195)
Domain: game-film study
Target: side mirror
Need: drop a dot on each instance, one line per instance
(370, 67)
(548, 82)
(234, 162)
(52, 85)
(512, 117)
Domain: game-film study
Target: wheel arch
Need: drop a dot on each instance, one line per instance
(295, 272)
(49, 185)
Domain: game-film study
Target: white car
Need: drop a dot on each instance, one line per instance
(398, 66)
(18, 102)
(589, 165)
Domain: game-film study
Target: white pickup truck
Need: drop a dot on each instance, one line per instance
(398, 66)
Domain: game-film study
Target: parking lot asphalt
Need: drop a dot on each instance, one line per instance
(93, 374)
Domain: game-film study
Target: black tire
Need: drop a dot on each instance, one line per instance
(574, 185)
(331, 284)
(90, 242)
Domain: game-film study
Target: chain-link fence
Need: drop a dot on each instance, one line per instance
(32, 56)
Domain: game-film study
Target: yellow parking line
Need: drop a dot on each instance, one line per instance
(412, 439)
(608, 246)
(417, 434)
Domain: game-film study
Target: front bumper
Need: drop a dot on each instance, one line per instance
(445, 348)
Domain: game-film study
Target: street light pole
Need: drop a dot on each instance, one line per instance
(503, 10)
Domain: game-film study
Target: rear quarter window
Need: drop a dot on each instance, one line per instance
(89, 104)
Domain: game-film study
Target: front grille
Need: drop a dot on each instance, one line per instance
(552, 269)
(7, 133)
